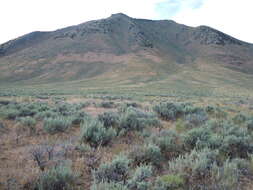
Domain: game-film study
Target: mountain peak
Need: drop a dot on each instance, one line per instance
(120, 15)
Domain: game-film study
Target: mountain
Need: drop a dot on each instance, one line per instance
(128, 51)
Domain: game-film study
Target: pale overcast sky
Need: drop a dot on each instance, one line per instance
(19, 17)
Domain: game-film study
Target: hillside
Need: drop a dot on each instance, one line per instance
(121, 50)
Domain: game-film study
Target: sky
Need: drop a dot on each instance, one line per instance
(19, 17)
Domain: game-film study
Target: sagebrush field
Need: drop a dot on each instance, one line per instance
(125, 141)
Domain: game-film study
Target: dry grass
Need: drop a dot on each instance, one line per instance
(19, 170)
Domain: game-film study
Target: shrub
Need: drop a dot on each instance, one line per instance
(215, 124)
(107, 104)
(195, 165)
(244, 166)
(58, 178)
(4, 102)
(249, 125)
(145, 133)
(236, 146)
(169, 182)
(64, 109)
(197, 135)
(126, 105)
(86, 104)
(188, 108)
(30, 123)
(220, 113)
(147, 154)
(196, 119)
(133, 104)
(172, 111)
(94, 133)
(200, 169)
(27, 110)
(38, 155)
(115, 171)
(225, 177)
(43, 107)
(46, 114)
(139, 181)
(236, 142)
(213, 142)
(108, 186)
(239, 118)
(42, 97)
(136, 120)
(79, 117)
(169, 142)
(232, 141)
(11, 114)
(210, 109)
(23, 109)
(83, 148)
(109, 119)
(55, 125)
(168, 111)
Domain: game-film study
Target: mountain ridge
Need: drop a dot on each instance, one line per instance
(121, 48)
(202, 28)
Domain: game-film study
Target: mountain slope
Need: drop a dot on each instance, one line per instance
(126, 51)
